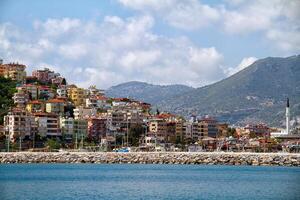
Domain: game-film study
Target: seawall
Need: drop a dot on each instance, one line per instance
(209, 158)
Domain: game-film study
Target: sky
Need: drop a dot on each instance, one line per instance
(108, 42)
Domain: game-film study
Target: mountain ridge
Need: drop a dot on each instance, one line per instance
(255, 94)
(143, 91)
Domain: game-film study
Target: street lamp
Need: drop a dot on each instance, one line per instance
(7, 137)
(146, 128)
(20, 142)
(76, 139)
(127, 118)
(155, 140)
(6, 126)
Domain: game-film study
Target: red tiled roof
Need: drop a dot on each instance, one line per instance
(29, 85)
(62, 98)
(56, 101)
(165, 115)
(121, 99)
(35, 102)
(101, 98)
(207, 119)
(18, 109)
(43, 87)
(44, 114)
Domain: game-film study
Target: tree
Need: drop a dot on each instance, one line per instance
(252, 135)
(53, 144)
(232, 132)
(7, 90)
(69, 110)
(43, 96)
(135, 132)
(157, 111)
(53, 86)
(64, 82)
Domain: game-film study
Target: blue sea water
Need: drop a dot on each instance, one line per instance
(93, 181)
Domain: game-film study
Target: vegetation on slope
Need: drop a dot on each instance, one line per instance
(7, 90)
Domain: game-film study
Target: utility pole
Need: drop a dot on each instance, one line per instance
(8, 141)
(81, 143)
(76, 140)
(6, 126)
(155, 140)
(146, 129)
(20, 143)
(33, 140)
(127, 130)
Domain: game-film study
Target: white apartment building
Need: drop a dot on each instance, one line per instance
(19, 123)
(81, 112)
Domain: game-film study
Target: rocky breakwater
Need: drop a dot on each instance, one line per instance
(214, 158)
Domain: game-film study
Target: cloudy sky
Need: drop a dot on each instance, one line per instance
(108, 42)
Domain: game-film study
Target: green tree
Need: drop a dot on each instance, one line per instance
(232, 132)
(7, 90)
(53, 87)
(53, 144)
(252, 135)
(43, 96)
(135, 132)
(157, 111)
(64, 82)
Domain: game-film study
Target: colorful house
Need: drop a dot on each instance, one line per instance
(56, 106)
(35, 106)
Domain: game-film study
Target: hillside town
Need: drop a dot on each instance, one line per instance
(50, 114)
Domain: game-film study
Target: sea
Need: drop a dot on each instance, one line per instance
(145, 181)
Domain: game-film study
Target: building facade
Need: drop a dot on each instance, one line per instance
(20, 124)
(77, 95)
(56, 106)
(13, 71)
(45, 75)
(208, 127)
(48, 125)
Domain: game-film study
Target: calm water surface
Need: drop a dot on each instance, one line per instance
(91, 181)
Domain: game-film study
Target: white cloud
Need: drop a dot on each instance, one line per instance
(72, 51)
(112, 51)
(287, 40)
(205, 61)
(188, 15)
(117, 49)
(150, 4)
(243, 64)
(191, 16)
(55, 27)
(277, 20)
(137, 59)
(117, 21)
(270, 19)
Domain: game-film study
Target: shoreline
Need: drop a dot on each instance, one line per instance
(204, 158)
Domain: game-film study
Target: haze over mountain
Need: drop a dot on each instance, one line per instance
(147, 92)
(255, 94)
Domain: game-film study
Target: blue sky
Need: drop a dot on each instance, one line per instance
(158, 41)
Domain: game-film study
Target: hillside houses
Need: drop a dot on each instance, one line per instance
(46, 107)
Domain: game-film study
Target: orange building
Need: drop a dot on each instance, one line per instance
(14, 71)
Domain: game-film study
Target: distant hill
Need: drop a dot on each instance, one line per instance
(147, 92)
(255, 94)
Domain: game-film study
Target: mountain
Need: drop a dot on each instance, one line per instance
(255, 94)
(147, 92)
